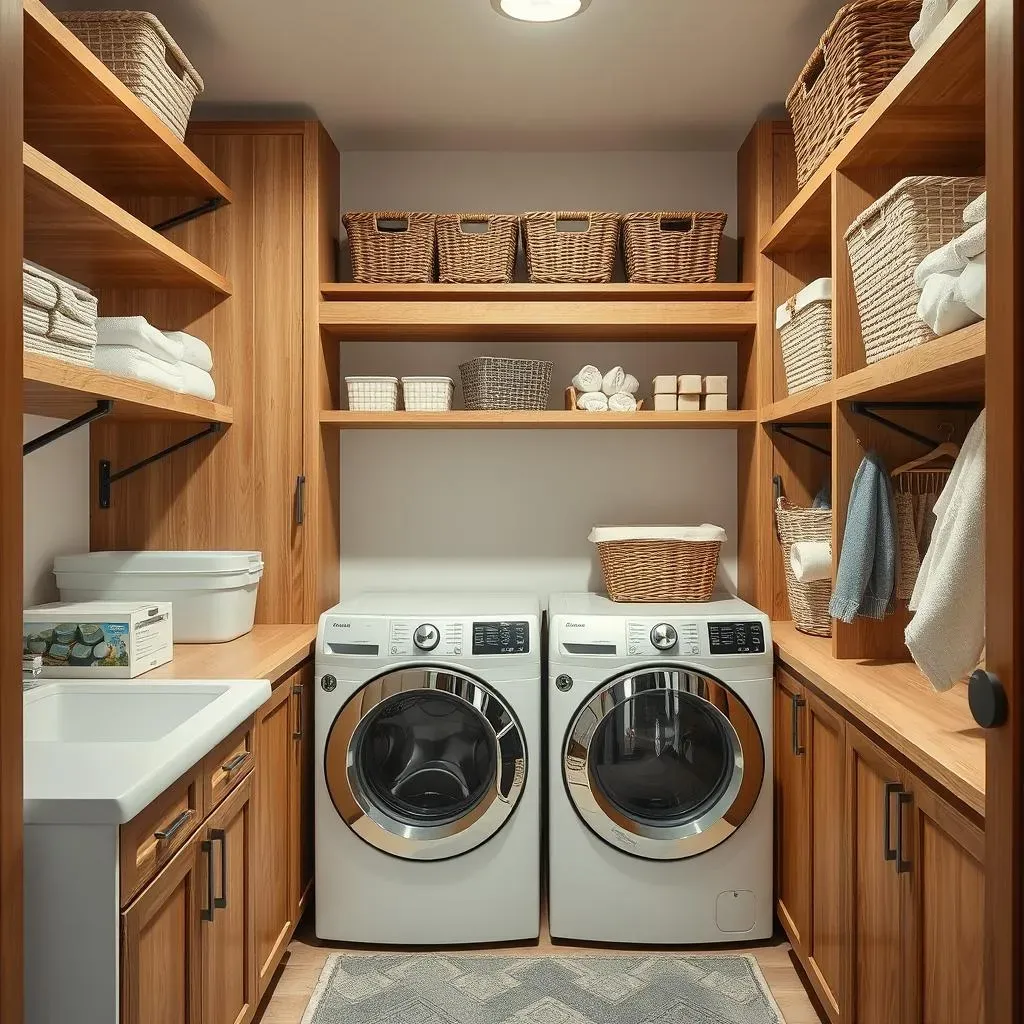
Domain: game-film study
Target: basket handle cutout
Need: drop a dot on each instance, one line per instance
(572, 225)
(813, 71)
(391, 225)
(874, 224)
(680, 225)
(474, 225)
(177, 68)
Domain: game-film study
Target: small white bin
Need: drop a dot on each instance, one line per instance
(372, 394)
(427, 394)
(213, 593)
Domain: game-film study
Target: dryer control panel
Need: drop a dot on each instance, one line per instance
(428, 638)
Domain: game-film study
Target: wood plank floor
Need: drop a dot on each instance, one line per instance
(286, 999)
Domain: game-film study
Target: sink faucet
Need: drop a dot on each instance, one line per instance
(31, 670)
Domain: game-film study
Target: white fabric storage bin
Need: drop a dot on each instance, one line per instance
(372, 394)
(213, 593)
(427, 394)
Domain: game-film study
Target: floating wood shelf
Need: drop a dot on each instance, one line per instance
(541, 420)
(930, 119)
(805, 406)
(82, 116)
(63, 390)
(72, 229)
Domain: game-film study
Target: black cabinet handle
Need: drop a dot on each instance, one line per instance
(890, 851)
(299, 724)
(218, 835)
(902, 864)
(175, 826)
(798, 703)
(232, 763)
(300, 500)
(207, 913)
(986, 697)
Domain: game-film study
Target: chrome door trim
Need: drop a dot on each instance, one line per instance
(370, 821)
(656, 842)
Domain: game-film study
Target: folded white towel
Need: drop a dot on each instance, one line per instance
(932, 12)
(64, 328)
(953, 256)
(970, 286)
(129, 361)
(614, 380)
(50, 291)
(976, 210)
(588, 379)
(621, 403)
(593, 401)
(138, 333)
(194, 351)
(939, 307)
(197, 382)
(630, 385)
(80, 355)
(35, 320)
(811, 560)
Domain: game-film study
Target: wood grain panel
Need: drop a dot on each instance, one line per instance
(539, 293)
(302, 684)
(546, 419)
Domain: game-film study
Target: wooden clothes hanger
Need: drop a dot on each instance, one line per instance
(926, 463)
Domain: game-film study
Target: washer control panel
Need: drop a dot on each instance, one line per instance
(444, 637)
(735, 638)
(432, 638)
(644, 637)
(502, 637)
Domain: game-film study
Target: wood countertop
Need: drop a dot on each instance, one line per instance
(935, 732)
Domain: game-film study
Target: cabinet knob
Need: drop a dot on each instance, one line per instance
(987, 698)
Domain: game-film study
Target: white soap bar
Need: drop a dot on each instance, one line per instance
(689, 403)
(716, 403)
(716, 385)
(665, 403)
(665, 384)
(689, 384)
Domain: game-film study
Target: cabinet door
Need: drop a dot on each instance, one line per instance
(229, 946)
(301, 683)
(161, 979)
(875, 955)
(792, 822)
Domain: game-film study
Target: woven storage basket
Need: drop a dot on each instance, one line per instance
(645, 564)
(142, 54)
(808, 602)
(805, 331)
(555, 255)
(858, 56)
(476, 257)
(672, 248)
(489, 382)
(887, 242)
(391, 248)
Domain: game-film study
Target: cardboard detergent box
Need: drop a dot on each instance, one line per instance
(112, 639)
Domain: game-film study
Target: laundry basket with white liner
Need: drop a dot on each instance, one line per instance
(427, 394)
(213, 593)
(659, 563)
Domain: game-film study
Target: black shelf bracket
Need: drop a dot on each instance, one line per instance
(104, 407)
(786, 430)
(205, 207)
(870, 410)
(107, 478)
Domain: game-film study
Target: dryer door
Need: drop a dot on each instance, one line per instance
(664, 764)
(425, 763)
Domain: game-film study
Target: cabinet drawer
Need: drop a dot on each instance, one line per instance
(227, 764)
(156, 834)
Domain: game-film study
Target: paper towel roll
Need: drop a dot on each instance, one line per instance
(811, 560)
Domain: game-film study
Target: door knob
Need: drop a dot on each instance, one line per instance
(987, 698)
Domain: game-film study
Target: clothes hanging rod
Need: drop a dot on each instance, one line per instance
(869, 410)
(786, 430)
(104, 407)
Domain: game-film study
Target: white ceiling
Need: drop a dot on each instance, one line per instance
(452, 74)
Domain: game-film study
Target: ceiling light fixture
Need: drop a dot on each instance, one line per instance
(540, 10)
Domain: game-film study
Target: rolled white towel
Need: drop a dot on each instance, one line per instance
(593, 401)
(932, 12)
(630, 386)
(976, 210)
(136, 332)
(939, 307)
(193, 350)
(197, 382)
(970, 286)
(129, 361)
(953, 256)
(614, 380)
(811, 560)
(588, 379)
(621, 403)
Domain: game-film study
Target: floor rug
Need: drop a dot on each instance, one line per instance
(642, 989)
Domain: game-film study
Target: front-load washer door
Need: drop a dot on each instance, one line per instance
(663, 763)
(425, 763)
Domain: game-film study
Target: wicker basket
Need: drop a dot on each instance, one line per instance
(556, 254)
(489, 382)
(858, 56)
(887, 242)
(804, 324)
(672, 248)
(372, 394)
(391, 248)
(808, 602)
(142, 54)
(476, 257)
(645, 564)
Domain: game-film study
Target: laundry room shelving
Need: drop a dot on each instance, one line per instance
(550, 419)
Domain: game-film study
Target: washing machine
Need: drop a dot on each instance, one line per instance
(428, 745)
(660, 785)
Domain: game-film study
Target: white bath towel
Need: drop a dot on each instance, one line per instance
(939, 307)
(953, 256)
(946, 636)
(196, 382)
(64, 328)
(129, 361)
(811, 560)
(932, 12)
(80, 355)
(35, 320)
(593, 401)
(614, 380)
(630, 386)
(621, 403)
(970, 285)
(194, 351)
(589, 379)
(136, 332)
(50, 291)
(976, 210)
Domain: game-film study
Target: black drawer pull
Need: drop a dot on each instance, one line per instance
(175, 826)
(890, 788)
(902, 864)
(798, 703)
(299, 724)
(234, 762)
(218, 835)
(207, 912)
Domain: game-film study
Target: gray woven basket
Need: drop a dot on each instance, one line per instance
(490, 382)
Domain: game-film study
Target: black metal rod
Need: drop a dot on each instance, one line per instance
(103, 408)
(208, 206)
(786, 430)
(868, 410)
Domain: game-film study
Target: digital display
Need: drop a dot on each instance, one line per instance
(736, 637)
(501, 637)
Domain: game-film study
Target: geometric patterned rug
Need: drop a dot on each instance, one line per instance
(640, 989)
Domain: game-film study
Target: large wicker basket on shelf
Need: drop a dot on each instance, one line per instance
(808, 602)
(804, 324)
(390, 247)
(492, 382)
(476, 257)
(858, 56)
(558, 254)
(672, 248)
(142, 54)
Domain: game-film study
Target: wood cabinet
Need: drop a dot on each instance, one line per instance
(302, 683)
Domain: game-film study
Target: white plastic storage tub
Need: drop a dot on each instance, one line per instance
(213, 593)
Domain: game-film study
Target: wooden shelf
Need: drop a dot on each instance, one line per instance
(935, 732)
(542, 420)
(929, 119)
(62, 390)
(72, 229)
(813, 404)
(82, 116)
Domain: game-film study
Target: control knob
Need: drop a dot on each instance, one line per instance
(664, 636)
(426, 637)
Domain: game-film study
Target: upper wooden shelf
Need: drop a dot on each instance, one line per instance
(73, 229)
(81, 115)
(930, 119)
(805, 406)
(542, 420)
(63, 390)
(557, 311)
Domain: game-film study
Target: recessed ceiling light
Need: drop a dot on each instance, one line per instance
(540, 10)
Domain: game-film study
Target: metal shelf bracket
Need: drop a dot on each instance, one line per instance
(104, 407)
(786, 430)
(205, 207)
(869, 410)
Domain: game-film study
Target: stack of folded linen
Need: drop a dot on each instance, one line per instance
(129, 346)
(613, 391)
(59, 316)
